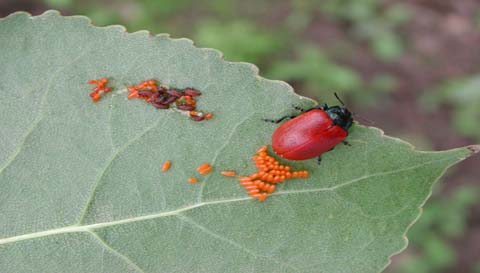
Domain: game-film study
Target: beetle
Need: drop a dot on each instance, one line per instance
(315, 131)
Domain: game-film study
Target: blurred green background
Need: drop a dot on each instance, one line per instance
(412, 67)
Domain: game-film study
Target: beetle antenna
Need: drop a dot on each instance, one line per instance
(338, 98)
(363, 118)
(354, 114)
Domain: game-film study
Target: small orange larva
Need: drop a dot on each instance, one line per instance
(205, 170)
(100, 88)
(203, 165)
(271, 189)
(262, 154)
(228, 173)
(208, 116)
(254, 176)
(244, 179)
(256, 195)
(133, 94)
(263, 197)
(192, 180)
(245, 184)
(166, 165)
(262, 149)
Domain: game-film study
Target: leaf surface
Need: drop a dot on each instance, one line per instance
(82, 190)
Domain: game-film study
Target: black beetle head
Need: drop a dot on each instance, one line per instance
(341, 116)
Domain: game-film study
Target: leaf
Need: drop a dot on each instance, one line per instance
(82, 191)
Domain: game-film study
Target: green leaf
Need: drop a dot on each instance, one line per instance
(81, 189)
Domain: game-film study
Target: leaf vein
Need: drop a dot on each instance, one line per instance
(229, 241)
(41, 113)
(116, 252)
(115, 155)
(83, 228)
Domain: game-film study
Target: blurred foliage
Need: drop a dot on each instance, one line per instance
(372, 21)
(443, 219)
(59, 4)
(477, 22)
(317, 72)
(238, 40)
(463, 97)
(319, 76)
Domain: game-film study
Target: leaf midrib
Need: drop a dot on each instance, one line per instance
(91, 227)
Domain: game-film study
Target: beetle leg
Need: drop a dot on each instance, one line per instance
(319, 107)
(300, 108)
(319, 160)
(346, 143)
(278, 120)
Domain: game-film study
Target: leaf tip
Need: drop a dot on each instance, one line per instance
(474, 149)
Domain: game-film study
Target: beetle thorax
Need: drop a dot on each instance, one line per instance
(340, 116)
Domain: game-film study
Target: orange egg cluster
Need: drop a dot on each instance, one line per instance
(100, 88)
(158, 95)
(270, 172)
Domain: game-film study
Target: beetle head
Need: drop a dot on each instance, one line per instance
(341, 116)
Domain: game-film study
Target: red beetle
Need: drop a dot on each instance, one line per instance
(312, 133)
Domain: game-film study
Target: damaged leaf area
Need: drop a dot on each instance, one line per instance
(81, 183)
